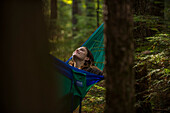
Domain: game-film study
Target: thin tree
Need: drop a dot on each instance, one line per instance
(167, 15)
(97, 11)
(53, 9)
(75, 12)
(53, 19)
(90, 13)
(79, 7)
(119, 56)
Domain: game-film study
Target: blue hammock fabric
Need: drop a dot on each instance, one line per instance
(75, 83)
(66, 70)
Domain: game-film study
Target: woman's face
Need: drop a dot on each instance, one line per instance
(80, 53)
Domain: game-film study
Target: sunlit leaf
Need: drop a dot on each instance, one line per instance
(68, 1)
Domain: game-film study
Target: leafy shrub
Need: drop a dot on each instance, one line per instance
(156, 64)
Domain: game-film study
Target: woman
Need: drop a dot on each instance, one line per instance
(83, 59)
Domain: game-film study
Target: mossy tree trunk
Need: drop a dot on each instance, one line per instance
(119, 56)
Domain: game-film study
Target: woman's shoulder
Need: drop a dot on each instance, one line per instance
(93, 69)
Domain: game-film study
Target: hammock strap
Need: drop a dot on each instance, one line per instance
(80, 105)
(72, 82)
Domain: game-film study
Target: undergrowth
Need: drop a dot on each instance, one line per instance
(152, 72)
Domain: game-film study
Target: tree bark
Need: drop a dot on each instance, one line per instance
(28, 82)
(53, 9)
(79, 7)
(53, 20)
(167, 15)
(98, 13)
(119, 56)
(146, 8)
(74, 18)
(90, 13)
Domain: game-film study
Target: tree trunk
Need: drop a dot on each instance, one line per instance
(167, 15)
(74, 18)
(146, 8)
(119, 56)
(141, 8)
(79, 7)
(53, 19)
(28, 82)
(53, 9)
(98, 13)
(90, 13)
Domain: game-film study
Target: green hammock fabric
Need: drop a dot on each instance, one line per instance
(95, 44)
(76, 83)
(72, 92)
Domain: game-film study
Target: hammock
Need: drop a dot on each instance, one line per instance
(95, 44)
(75, 83)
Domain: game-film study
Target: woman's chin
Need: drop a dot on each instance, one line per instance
(75, 56)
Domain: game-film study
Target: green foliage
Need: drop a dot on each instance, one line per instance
(154, 23)
(94, 101)
(63, 46)
(151, 53)
(60, 50)
(156, 60)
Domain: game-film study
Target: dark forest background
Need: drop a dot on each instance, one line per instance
(58, 27)
(71, 22)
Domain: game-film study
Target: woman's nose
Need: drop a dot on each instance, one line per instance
(77, 50)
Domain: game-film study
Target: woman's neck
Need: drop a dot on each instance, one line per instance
(78, 64)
